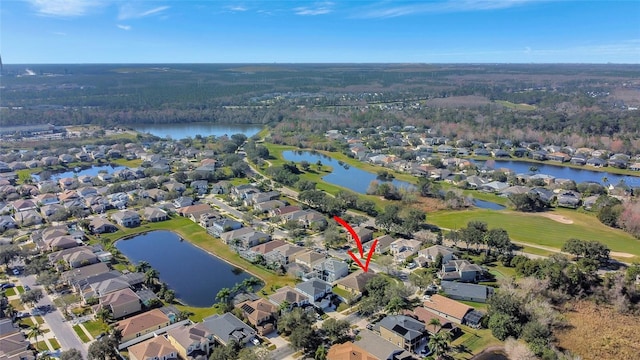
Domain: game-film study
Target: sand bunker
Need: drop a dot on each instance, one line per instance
(559, 218)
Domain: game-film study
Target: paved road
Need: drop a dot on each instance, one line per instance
(63, 330)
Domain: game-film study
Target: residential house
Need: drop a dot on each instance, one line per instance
(222, 225)
(209, 218)
(192, 341)
(402, 249)
(13, 344)
(403, 331)
(227, 328)
(175, 186)
(383, 245)
(47, 199)
(268, 205)
(24, 205)
(60, 243)
(27, 218)
(317, 291)
(156, 348)
(309, 258)
(68, 183)
(154, 214)
(290, 296)
(75, 257)
(6, 223)
(48, 211)
(365, 234)
(200, 187)
(331, 270)
(142, 324)
(355, 283)
(121, 303)
(182, 201)
(246, 237)
(349, 351)
(596, 162)
(156, 194)
(100, 225)
(77, 276)
(126, 218)
(430, 254)
(558, 156)
(447, 308)
(569, 199)
(468, 292)
(194, 210)
(461, 270)
(283, 211)
(381, 348)
(260, 313)
(283, 254)
(425, 316)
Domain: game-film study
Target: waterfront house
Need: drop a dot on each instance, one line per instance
(154, 214)
(318, 292)
(289, 296)
(142, 324)
(260, 313)
(191, 340)
(126, 218)
(100, 225)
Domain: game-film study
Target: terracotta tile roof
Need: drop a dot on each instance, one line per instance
(448, 306)
(142, 322)
(268, 246)
(155, 348)
(357, 280)
(349, 351)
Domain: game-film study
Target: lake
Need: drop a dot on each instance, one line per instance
(184, 130)
(342, 175)
(90, 170)
(195, 275)
(482, 204)
(564, 172)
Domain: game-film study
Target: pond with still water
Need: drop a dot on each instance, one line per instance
(342, 175)
(195, 275)
(181, 131)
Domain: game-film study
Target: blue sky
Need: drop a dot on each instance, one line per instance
(458, 31)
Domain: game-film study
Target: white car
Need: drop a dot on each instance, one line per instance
(16, 272)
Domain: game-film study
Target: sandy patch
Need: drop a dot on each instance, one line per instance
(558, 218)
(621, 254)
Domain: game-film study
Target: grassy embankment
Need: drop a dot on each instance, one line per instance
(198, 236)
(542, 231)
(514, 106)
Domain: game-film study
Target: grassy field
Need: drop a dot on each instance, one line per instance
(95, 327)
(539, 230)
(55, 344)
(513, 106)
(199, 313)
(128, 163)
(83, 337)
(473, 341)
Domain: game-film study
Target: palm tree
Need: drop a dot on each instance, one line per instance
(10, 311)
(605, 181)
(223, 295)
(439, 343)
(34, 332)
(436, 324)
(143, 267)
(396, 304)
(151, 276)
(104, 315)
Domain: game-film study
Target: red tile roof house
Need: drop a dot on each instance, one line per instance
(156, 348)
(121, 303)
(142, 324)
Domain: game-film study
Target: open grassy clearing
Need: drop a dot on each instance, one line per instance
(539, 230)
(510, 105)
(95, 327)
(473, 341)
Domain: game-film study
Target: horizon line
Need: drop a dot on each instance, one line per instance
(332, 63)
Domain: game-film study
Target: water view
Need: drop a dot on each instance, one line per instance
(563, 172)
(342, 175)
(91, 171)
(181, 131)
(487, 205)
(195, 275)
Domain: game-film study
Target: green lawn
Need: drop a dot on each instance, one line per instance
(473, 341)
(95, 327)
(128, 163)
(83, 337)
(341, 292)
(476, 305)
(55, 344)
(514, 106)
(535, 229)
(17, 304)
(10, 291)
(26, 322)
(199, 313)
(41, 346)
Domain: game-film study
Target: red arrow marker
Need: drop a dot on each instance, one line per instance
(364, 267)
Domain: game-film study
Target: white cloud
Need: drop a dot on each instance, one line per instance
(65, 8)
(321, 8)
(128, 11)
(383, 11)
(237, 8)
(59, 33)
(124, 27)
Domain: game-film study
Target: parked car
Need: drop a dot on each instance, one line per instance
(27, 288)
(7, 285)
(16, 272)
